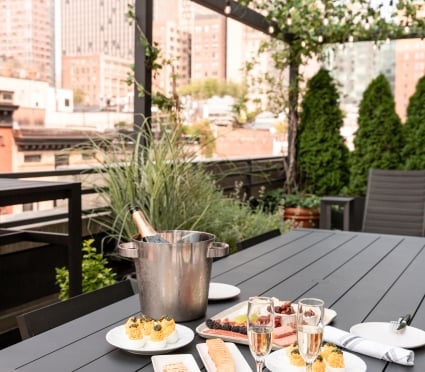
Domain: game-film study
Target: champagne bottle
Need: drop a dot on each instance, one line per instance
(146, 231)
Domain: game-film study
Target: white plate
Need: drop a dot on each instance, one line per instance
(221, 291)
(117, 337)
(277, 361)
(160, 361)
(241, 364)
(382, 332)
(241, 308)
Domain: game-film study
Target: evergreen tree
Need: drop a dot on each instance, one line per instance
(322, 155)
(379, 137)
(414, 129)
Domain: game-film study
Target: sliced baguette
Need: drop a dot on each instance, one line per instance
(220, 355)
(175, 367)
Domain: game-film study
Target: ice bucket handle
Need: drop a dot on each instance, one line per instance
(128, 250)
(218, 249)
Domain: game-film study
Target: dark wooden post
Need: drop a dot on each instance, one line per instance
(142, 71)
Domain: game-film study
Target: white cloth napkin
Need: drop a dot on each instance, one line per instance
(367, 347)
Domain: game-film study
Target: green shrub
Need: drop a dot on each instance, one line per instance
(233, 219)
(94, 271)
(322, 155)
(379, 139)
(173, 191)
(414, 129)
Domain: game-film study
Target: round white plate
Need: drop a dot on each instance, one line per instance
(382, 332)
(221, 291)
(117, 337)
(277, 361)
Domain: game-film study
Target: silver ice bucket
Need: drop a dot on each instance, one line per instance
(173, 278)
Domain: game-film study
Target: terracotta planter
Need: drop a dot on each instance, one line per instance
(302, 217)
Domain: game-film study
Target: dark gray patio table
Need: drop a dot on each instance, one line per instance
(363, 277)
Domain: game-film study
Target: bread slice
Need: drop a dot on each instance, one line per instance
(175, 367)
(220, 355)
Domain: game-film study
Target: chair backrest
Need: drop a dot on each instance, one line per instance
(37, 321)
(395, 202)
(257, 239)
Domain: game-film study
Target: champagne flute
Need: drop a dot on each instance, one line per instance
(260, 325)
(310, 329)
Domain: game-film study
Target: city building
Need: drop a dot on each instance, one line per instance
(209, 44)
(409, 68)
(354, 66)
(97, 47)
(175, 46)
(98, 80)
(27, 39)
(38, 127)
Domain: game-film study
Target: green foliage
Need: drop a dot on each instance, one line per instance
(202, 131)
(173, 191)
(78, 96)
(203, 89)
(379, 138)
(277, 198)
(322, 155)
(301, 200)
(233, 219)
(414, 129)
(305, 28)
(94, 270)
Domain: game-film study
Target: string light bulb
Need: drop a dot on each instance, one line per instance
(227, 8)
(303, 43)
(406, 28)
(366, 25)
(325, 20)
(289, 20)
(320, 39)
(270, 29)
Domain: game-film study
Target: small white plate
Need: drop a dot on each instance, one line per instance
(117, 337)
(221, 291)
(277, 361)
(241, 364)
(382, 332)
(160, 361)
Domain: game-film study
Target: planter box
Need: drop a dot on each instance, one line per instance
(302, 217)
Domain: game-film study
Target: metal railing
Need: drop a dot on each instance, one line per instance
(252, 173)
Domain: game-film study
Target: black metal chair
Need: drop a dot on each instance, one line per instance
(395, 202)
(37, 321)
(243, 244)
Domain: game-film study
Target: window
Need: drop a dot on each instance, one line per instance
(88, 156)
(66, 102)
(33, 158)
(27, 207)
(61, 159)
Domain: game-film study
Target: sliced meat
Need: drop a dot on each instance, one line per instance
(226, 333)
(285, 341)
(283, 331)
